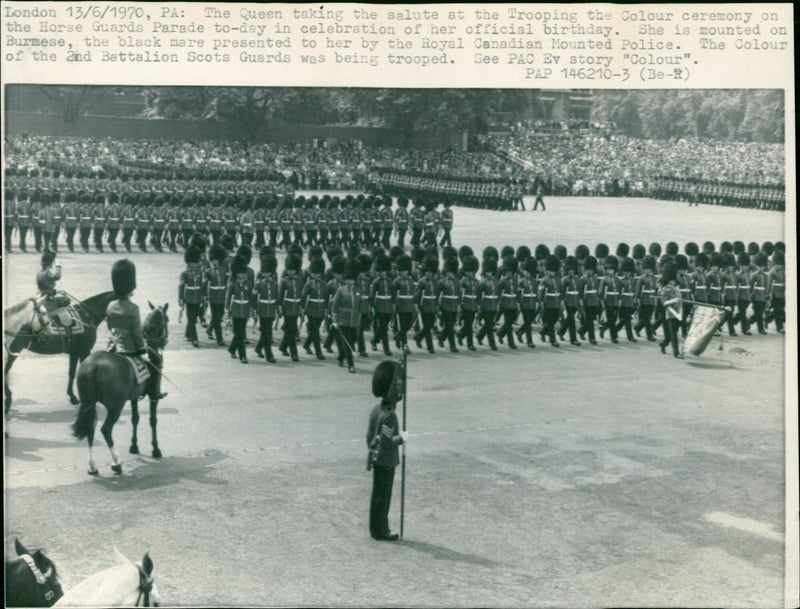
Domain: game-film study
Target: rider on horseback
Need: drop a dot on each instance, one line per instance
(54, 302)
(122, 316)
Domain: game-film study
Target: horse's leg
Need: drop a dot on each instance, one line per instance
(90, 439)
(134, 449)
(114, 411)
(6, 390)
(74, 360)
(153, 424)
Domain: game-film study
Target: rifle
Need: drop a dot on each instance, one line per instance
(403, 478)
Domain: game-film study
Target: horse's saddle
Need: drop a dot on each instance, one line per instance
(140, 368)
(62, 320)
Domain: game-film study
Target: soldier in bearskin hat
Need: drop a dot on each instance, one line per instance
(237, 303)
(550, 297)
(743, 292)
(729, 291)
(488, 301)
(346, 314)
(601, 252)
(447, 223)
(289, 291)
(627, 302)
(610, 287)
(714, 279)
(122, 316)
(528, 299)
(363, 285)
(191, 292)
(266, 290)
(401, 219)
(216, 281)
(469, 299)
(646, 290)
(671, 298)
(685, 287)
(758, 290)
(509, 298)
(380, 296)
(336, 279)
(425, 299)
(571, 295)
(776, 291)
(314, 303)
(383, 438)
(698, 277)
(417, 216)
(448, 293)
(403, 290)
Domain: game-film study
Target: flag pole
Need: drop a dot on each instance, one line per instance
(403, 467)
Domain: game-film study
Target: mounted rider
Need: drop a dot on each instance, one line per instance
(53, 301)
(122, 316)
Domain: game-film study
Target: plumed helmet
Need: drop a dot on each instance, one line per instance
(716, 259)
(541, 252)
(350, 269)
(530, 265)
(464, 251)
(761, 259)
(404, 263)
(383, 263)
(709, 248)
(738, 247)
(317, 265)
(239, 265)
(217, 252)
(430, 264)
(654, 249)
(364, 263)
(669, 272)
(649, 263)
(552, 263)
(451, 265)
(728, 259)
(293, 262)
(489, 266)
(490, 252)
(639, 251)
(672, 248)
(560, 251)
(337, 264)
(510, 264)
(590, 263)
(449, 251)
(506, 251)
(743, 259)
(752, 248)
(383, 376)
(612, 262)
(395, 252)
(269, 263)
(622, 250)
(767, 248)
(571, 263)
(470, 264)
(778, 257)
(123, 277)
(628, 265)
(48, 257)
(417, 254)
(701, 260)
(691, 249)
(601, 250)
(779, 246)
(523, 253)
(682, 262)
(726, 247)
(192, 254)
(581, 252)
(198, 241)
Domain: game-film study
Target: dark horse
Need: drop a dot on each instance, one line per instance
(21, 321)
(31, 579)
(109, 378)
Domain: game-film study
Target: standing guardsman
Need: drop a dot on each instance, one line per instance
(47, 219)
(191, 292)
(528, 299)
(143, 220)
(128, 220)
(215, 223)
(86, 219)
(449, 294)
(285, 220)
(70, 214)
(488, 301)
(381, 299)
(246, 222)
(571, 293)
(266, 289)
(289, 291)
(187, 221)
(550, 297)
(469, 300)
(159, 222)
(627, 298)
(776, 291)
(98, 221)
(431, 223)
(298, 219)
(509, 299)
(646, 291)
(36, 212)
(23, 219)
(417, 215)
(114, 220)
(323, 224)
(9, 216)
(174, 225)
(714, 279)
(315, 304)
(609, 296)
(216, 281)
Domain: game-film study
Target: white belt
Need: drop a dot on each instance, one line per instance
(590, 292)
(382, 297)
(316, 300)
(612, 293)
(449, 296)
(268, 301)
(511, 295)
(216, 287)
(528, 294)
(240, 301)
(571, 292)
(426, 296)
(292, 299)
(490, 296)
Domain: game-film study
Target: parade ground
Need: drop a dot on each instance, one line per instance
(607, 475)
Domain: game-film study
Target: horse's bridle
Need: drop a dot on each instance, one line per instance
(37, 314)
(145, 587)
(159, 338)
(42, 579)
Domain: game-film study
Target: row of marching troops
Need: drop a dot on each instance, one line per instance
(166, 221)
(713, 192)
(356, 293)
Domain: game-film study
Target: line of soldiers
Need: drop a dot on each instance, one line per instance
(416, 298)
(713, 192)
(166, 221)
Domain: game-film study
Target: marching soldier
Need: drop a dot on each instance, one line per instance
(609, 296)
(509, 299)
(314, 302)
(214, 223)
(571, 295)
(237, 303)
(159, 220)
(743, 292)
(627, 303)
(298, 219)
(191, 292)
(550, 296)
(285, 219)
(23, 218)
(425, 298)
(216, 281)
(698, 277)
(401, 220)
(36, 213)
(174, 225)
(488, 301)
(9, 216)
(776, 285)
(417, 216)
(729, 293)
(529, 297)
(381, 299)
(469, 299)
(387, 222)
(71, 211)
(289, 291)
(48, 220)
(403, 297)
(671, 297)
(246, 223)
(187, 221)
(266, 289)
(114, 220)
(758, 288)
(646, 290)
(336, 279)
(685, 287)
(345, 314)
(363, 286)
(323, 223)
(447, 223)
(311, 215)
(431, 219)
(448, 291)
(143, 220)
(86, 220)
(99, 221)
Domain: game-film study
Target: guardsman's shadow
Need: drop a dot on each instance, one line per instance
(440, 553)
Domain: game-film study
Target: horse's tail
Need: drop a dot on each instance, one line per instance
(87, 390)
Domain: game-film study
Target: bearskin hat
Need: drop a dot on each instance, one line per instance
(728, 259)
(227, 242)
(682, 262)
(464, 251)
(317, 265)
(738, 247)
(523, 253)
(726, 247)
(552, 263)
(192, 254)
(649, 263)
(506, 251)
(395, 252)
(778, 257)
(489, 266)
(752, 248)
(350, 269)
(672, 248)
(601, 250)
(293, 262)
(761, 259)
(529, 265)
(269, 263)
(541, 252)
(628, 265)
(560, 251)
(571, 264)
(315, 251)
(449, 251)
(197, 240)
(654, 249)
(470, 264)
(217, 252)
(383, 376)
(432, 251)
(364, 263)
(417, 254)
(451, 265)
(590, 263)
(337, 264)
(743, 259)
(490, 252)
(404, 263)
(716, 259)
(701, 260)
(623, 250)
(612, 262)
(353, 251)
(430, 264)
(767, 248)
(691, 249)
(238, 266)
(669, 272)
(383, 263)
(402, 202)
(48, 257)
(123, 277)
(779, 246)
(510, 264)
(581, 252)
(296, 249)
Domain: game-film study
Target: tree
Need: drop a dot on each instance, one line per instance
(74, 101)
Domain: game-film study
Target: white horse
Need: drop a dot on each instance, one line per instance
(126, 585)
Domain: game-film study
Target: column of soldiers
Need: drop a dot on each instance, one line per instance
(435, 296)
(713, 192)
